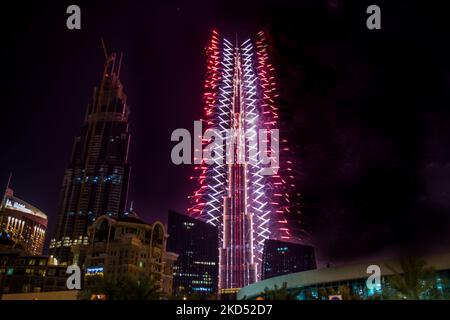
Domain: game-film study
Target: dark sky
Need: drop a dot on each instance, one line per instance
(369, 110)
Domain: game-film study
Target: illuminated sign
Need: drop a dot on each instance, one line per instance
(15, 205)
(94, 271)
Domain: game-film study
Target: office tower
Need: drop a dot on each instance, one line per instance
(96, 181)
(196, 243)
(237, 194)
(281, 258)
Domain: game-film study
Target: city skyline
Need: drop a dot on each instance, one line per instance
(373, 177)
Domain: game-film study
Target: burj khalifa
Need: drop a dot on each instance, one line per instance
(238, 195)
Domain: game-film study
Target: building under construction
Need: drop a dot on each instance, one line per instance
(96, 181)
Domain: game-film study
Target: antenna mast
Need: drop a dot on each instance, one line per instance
(6, 189)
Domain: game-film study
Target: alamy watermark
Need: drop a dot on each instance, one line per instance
(231, 146)
(373, 282)
(74, 280)
(73, 21)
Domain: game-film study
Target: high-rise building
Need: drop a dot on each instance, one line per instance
(96, 181)
(282, 257)
(22, 225)
(245, 191)
(196, 242)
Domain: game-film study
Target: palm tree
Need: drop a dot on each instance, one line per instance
(345, 292)
(413, 280)
(322, 294)
(280, 293)
(110, 286)
(124, 288)
(441, 289)
(142, 288)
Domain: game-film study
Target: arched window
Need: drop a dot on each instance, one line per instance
(101, 233)
(158, 235)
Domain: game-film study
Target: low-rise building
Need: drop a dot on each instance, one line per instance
(128, 246)
(22, 223)
(167, 278)
(23, 274)
(320, 284)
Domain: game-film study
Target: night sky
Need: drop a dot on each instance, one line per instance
(368, 110)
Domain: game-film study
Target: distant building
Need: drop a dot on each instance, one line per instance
(51, 295)
(128, 246)
(96, 180)
(23, 274)
(196, 242)
(169, 259)
(281, 257)
(23, 224)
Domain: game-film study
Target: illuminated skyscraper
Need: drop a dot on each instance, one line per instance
(96, 180)
(247, 204)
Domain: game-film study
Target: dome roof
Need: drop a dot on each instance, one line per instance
(131, 217)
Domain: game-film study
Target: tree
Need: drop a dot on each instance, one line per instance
(280, 293)
(322, 293)
(412, 282)
(142, 288)
(124, 288)
(345, 292)
(441, 290)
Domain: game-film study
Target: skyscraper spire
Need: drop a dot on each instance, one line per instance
(8, 191)
(245, 203)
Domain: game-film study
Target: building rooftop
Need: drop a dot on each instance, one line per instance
(342, 273)
(131, 217)
(11, 202)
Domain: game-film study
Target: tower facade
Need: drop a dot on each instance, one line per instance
(96, 180)
(281, 258)
(196, 242)
(238, 195)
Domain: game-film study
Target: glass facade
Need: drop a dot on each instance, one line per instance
(196, 242)
(281, 257)
(438, 288)
(357, 290)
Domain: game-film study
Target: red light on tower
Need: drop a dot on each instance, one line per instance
(240, 98)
